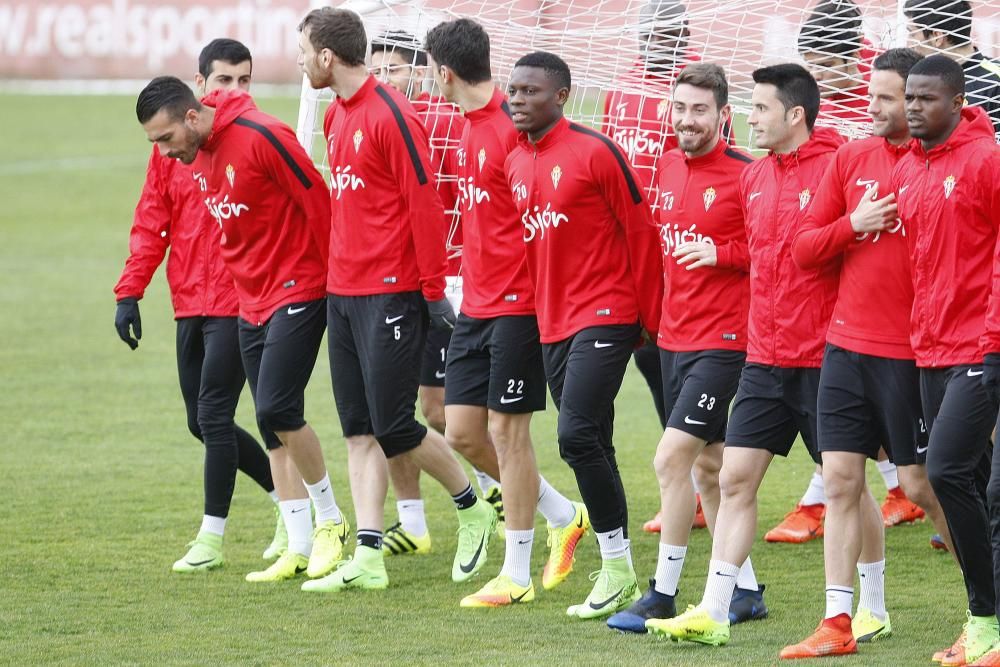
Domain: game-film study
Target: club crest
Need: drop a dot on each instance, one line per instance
(231, 175)
(358, 138)
(662, 108)
(804, 198)
(482, 158)
(949, 186)
(708, 196)
(556, 176)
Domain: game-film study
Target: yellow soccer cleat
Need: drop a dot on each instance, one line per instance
(288, 566)
(694, 625)
(499, 592)
(329, 539)
(562, 544)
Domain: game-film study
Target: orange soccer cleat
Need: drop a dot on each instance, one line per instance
(653, 525)
(898, 509)
(832, 637)
(954, 654)
(802, 524)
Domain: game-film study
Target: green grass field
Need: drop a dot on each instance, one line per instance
(102, 482)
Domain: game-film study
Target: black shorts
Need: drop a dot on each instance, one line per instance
(697, 389)
(867, 402)
(772, 407)
(376, 344)
(432, 367)
(496, 363)
(279, 357)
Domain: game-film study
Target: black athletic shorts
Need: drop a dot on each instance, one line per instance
(697, 389)
(376, 344)
(772, 407)
(432, 367)
(496, 363)
(867, 402)
(279, 357)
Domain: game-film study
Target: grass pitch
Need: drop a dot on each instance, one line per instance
(103, 483)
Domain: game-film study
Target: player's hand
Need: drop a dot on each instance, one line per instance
(127, 315)
(442, 314)
(872, 214)
(696, 254)
(991, 375)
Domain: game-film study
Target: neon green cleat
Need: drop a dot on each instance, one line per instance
(288, 565)
(980, 633)
(866, 626)
(614, 589)
(204, 554)
(476, 525)
(280, 540)
(694, 625)
(499, 592)
(495, 498)
(397, 540)
(365, 571)
(562, 547)
(329, 539)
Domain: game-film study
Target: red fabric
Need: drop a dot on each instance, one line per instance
(872, 314)
(444, 125)
(705, 308)
(274, 227)
(950, 206)
(850, 106)
(495, 270)
(592, 247)
(387, 233)
(789, 307)
(171, 215)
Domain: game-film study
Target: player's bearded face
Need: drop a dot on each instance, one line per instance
(175, 138)
(885, 90)
(308, 62)
(696, 119)
(929, 106)
(536, 100)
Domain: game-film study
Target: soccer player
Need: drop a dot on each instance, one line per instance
(272, 207)
(595, 262)
(949, 205)
(702, 335)
(398, 61)
(386, 280)
(495, 374)
(171, 215)
(869, 390)
(789, 307)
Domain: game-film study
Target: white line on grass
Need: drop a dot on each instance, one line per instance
(24, 167)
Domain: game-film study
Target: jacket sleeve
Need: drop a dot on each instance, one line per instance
(405, 146)
(293, 170)
(990, 342)
(826, 231)
(150, 235)
(623, 191)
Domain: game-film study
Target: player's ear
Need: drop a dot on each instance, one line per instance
(562, 96)
(200, 83)
(725, 114)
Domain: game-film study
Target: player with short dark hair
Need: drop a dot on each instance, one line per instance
(595, 261)
(385, 283)
(171, 215)
(949, 204)
(831, 41)
(272, 207)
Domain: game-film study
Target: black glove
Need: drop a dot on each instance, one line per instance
(127, 315)
(442, 314)
(991, 375)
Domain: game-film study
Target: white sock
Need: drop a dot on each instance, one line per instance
(213, 524)
(872, 576)
(747, 579)
(888, 471)
(839, 600)
(517, 559)
(628, 553)
(486, 483)
(694, 483)
(613, 544)
(815, 495)
(411, 516)
(719, 589)
(554, 506)
(274, 496)
(322, 496)
(668, 568)
(298, 523)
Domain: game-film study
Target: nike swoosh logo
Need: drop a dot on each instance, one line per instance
(598, 344)
(615, 534)
(347, 581)
(602, 605)
(390, 320)
(921, 450)
(475, 558)
(675, 557)
(724, 575)
(504, 400)
(694, 422)
(863, 183)
(201, 562)
(753, 195)
(439, 375)
(523, 541)
(579, 524)
(298, 510)
(295, 311)
(971, 373)
(519, 597)
(903, 189)
(323, 490)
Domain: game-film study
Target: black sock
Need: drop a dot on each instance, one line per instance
(370, 538)
(465, 499)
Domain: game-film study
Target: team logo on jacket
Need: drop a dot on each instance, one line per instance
(556, 176)
(708, 196)
(231, 175)
(662, 108)
(949, 186)
(536, 221)
(482, 158)
(225, 209)
(358, 138)
(342, 180)
(804, 198)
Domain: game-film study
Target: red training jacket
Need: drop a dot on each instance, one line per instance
(495, 267)
(950, 207)
(705, 308)
(789, 307)
(387, 234)
(592, 248)
(872, 314)
(272, 205)
(171, 214)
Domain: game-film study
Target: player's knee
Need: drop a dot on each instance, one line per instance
(508, 433)
(397, 440)
(916, 486)
(433, 412)
(735, 484)
(464, 442)
(576, 443)
(670, 465)
(939, 478)
(993, 492)
(193, 426)
(279, 418)
(841, 487)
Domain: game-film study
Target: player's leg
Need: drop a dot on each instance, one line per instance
(647, 361)
(898, 507)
